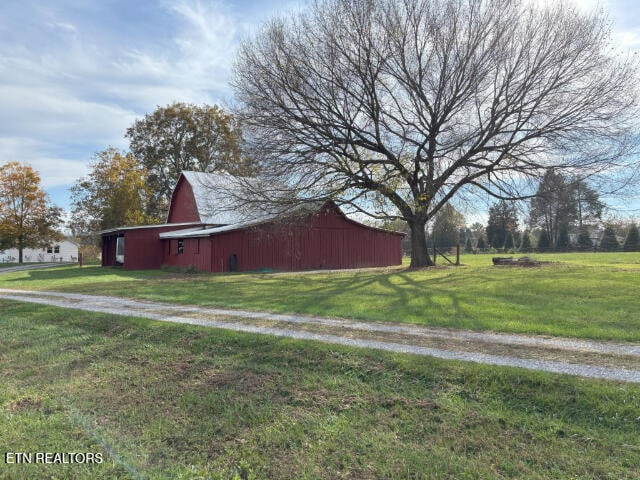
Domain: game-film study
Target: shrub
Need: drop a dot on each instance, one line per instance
(91, 254)
(190, 269)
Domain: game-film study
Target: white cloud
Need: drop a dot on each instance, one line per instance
(54, 171)
(75, 89)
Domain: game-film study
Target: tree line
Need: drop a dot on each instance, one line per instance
(565, 215)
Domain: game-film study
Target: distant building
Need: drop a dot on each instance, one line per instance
(63, 251)
(204, 231)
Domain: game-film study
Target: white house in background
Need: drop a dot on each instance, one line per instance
(63, 251)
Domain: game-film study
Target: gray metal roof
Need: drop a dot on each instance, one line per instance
(157, 225)
(213, 200)
(205, 232)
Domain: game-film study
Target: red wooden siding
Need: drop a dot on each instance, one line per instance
(183, 204)
(142, 247)
(196, 252)
(324, 241)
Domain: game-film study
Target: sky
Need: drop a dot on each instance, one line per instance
(75, 74)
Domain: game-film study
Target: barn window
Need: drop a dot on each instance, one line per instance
(49, 249)
(180, 247)
(120, 250)
(56, 249)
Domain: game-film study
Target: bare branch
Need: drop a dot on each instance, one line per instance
(393, 107)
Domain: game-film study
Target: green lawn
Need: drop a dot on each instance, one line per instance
(578, 295)
(175, 401)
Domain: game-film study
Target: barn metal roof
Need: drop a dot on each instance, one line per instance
(214, 204)
(205, 232)
(257, 219)
(157, 225)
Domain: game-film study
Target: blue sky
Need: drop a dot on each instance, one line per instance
(74, 74)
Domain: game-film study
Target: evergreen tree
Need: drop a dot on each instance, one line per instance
(481, 245)
(609, 242)
(561, 205)
(495, 242)
(584, 239)
(468, 247)
(446, 227)
(632, 242)
(563, 239)
(544, 242)
(503, 218)
(525, 246)
(508, 241)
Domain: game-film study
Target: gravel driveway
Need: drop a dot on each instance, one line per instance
(596, 359)
(31, 266)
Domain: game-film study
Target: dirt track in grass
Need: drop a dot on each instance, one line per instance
(586, 358)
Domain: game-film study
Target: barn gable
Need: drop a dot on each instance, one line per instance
(200, 197)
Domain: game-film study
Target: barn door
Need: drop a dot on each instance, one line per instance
(233, 262)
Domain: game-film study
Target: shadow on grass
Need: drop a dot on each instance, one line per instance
(59, 276)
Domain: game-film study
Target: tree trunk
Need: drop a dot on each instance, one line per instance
(419, 253)
(20, 248)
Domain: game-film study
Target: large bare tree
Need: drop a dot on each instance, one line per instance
(393, 107)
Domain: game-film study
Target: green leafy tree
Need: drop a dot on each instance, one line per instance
(632, 241)
(27, 217)
(609, 242)
(115, 193)
(181, 137)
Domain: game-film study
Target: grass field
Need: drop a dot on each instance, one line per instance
(577, 295)
(175, 401)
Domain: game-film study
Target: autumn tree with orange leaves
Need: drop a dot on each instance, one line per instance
(115, 193)
(27, 217)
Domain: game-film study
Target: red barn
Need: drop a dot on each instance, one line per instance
(204, 232)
